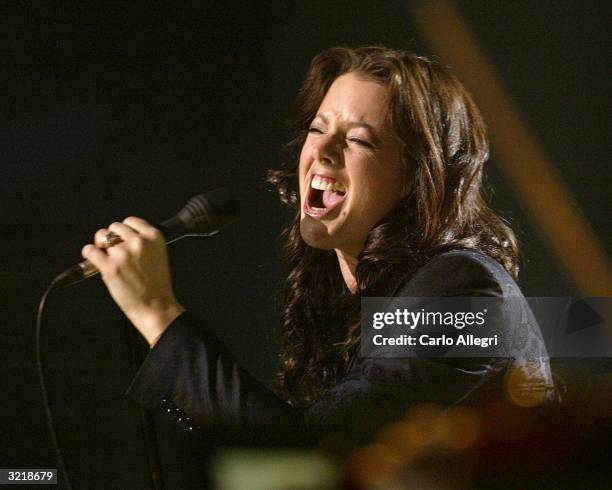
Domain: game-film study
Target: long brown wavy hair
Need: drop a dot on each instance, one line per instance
(445, 148)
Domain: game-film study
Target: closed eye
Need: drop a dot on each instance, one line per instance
(361, 142)
(313, 129)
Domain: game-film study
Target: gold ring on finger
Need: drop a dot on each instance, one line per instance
(110, 239)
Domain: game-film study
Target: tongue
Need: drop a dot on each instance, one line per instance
(331, 198)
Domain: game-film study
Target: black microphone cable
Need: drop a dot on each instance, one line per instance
(62, 467)
(146, 419)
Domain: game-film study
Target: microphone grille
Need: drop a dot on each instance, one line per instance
(206, 213)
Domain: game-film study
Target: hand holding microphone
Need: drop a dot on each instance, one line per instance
(136, 272)
(133, 260)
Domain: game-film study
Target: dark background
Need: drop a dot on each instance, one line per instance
(130, 109)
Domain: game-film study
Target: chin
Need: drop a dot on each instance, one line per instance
(315, 234)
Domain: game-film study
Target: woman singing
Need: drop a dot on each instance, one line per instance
(384, 172)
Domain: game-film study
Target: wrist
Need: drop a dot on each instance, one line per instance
(153, 321)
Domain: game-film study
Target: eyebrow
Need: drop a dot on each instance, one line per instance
(355, 124)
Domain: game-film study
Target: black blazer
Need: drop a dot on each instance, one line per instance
(191, 377)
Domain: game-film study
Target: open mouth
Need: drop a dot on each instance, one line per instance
(323, 196)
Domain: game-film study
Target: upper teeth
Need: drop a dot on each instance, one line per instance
(326, 184)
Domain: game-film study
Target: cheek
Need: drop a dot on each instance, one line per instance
(374, 187)
(380, 191)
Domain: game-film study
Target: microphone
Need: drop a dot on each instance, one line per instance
(203, 215)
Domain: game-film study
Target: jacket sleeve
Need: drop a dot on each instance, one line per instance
(191, 377)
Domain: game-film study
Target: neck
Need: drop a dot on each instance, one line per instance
(348, 268)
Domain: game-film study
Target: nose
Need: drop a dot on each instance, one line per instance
(327, 150)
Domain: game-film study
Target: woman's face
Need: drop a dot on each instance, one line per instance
(350, 166)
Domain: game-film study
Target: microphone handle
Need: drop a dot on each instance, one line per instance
(84, 269)
(173, 229)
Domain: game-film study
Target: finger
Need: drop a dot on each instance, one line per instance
(99, 238)
(142, 226)
(96, 256)
(124, 231)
